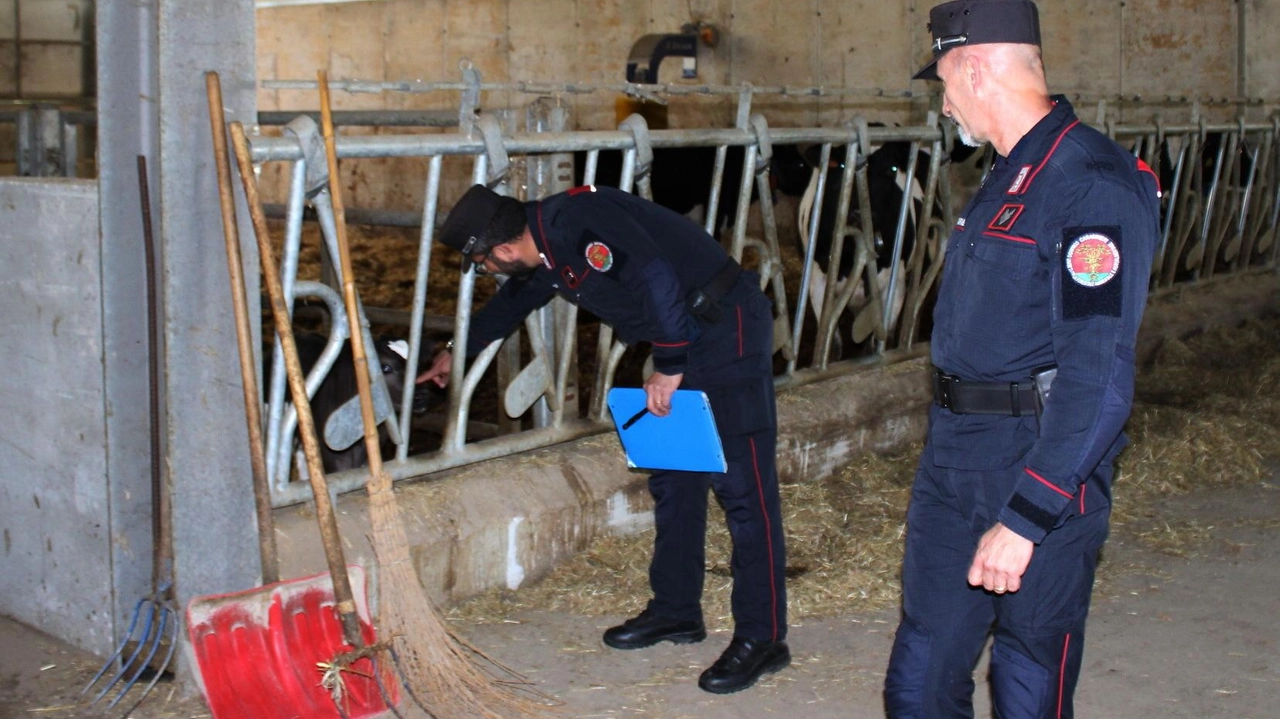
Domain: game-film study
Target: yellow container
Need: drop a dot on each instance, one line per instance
(654, 113)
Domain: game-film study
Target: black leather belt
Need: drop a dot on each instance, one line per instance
(724, 280)
(704, 303)
(964, 397)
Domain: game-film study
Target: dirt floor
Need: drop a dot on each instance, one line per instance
(1182, 625)
(1169, 636)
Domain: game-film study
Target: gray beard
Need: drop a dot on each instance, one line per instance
(965, 138)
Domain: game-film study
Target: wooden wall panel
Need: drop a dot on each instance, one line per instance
(1262, 17)
(1179, 47)
(1092, 47)
(1082, 41)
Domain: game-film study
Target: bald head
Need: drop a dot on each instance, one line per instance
(995, 92)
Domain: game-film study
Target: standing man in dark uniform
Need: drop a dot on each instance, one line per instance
(1033, 343)
(657, 277)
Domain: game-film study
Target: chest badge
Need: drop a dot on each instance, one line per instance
(1019, 180)
(1004, 219)
(1093, 259)
(599, 256)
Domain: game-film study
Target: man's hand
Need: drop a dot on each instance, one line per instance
(658, 389)
(1001, 560)
(439, 371)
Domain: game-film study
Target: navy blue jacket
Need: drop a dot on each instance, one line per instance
(1047, 265)
(626, 260)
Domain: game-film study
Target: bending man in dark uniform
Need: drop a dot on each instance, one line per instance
(1034, 331)
(656, 277)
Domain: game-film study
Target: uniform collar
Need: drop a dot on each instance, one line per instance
(1036, 143)
(534, 216)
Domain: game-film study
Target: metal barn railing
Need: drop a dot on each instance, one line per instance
(1220, 219)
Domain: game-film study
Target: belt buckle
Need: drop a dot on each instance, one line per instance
(944, 390)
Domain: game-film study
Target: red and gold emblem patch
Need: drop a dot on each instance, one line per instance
(1093, 259)
(599, 256)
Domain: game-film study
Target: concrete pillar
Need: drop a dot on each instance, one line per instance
(213, 510)
(152, 56)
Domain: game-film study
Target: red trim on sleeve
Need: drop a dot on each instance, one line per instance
(546, 245)
(1144, 167)
(1083, 487)
(672, 344)
(1047, 483)
(1045, 161)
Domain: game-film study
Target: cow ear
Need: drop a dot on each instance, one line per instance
(812, 155)
(400, 347)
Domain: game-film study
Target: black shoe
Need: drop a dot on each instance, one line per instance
(648, 629)
(743, 663)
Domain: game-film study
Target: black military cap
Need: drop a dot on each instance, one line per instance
(979, 22)
(481, 220)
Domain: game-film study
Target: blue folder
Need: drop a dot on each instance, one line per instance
(686, 439)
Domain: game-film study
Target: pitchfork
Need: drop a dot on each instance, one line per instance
(157, 611)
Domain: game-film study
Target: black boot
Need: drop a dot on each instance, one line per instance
(743, 663)
(648, 629)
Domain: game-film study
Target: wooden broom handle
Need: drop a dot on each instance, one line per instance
(325, 517)
(248, 372)
(378, 480)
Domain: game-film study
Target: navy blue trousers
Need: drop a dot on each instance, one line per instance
(732, 362)
(1038, 630)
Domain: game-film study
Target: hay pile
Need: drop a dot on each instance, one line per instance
(1207, 415)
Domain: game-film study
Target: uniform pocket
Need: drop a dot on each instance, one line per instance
(981, 442)
(1006, 291)
(743, 406)
(1008, 253)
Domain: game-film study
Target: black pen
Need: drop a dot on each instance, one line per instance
(635, 418)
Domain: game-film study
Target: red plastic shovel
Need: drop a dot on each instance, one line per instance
(304, 647)
(267, 652)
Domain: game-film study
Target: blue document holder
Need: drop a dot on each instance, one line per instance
(686, 439)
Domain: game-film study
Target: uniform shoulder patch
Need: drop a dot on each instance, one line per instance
(1091, 283)
(599, 256)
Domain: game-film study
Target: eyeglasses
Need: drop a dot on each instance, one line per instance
(479, 264)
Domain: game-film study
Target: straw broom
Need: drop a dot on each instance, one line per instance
(445, 674)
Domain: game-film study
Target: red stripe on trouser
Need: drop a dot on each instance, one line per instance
(1062, 672)
(768, 537)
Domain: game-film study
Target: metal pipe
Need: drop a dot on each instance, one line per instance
(420, 284)
(824, 159)
(268, 149)
(898, 236)
(354, 216)
(366, 118)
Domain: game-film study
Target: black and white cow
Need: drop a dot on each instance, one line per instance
(339, 387)
(886, 182)
(680, 177)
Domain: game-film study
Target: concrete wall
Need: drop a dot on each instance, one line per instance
(54, 500)
(75, 446)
